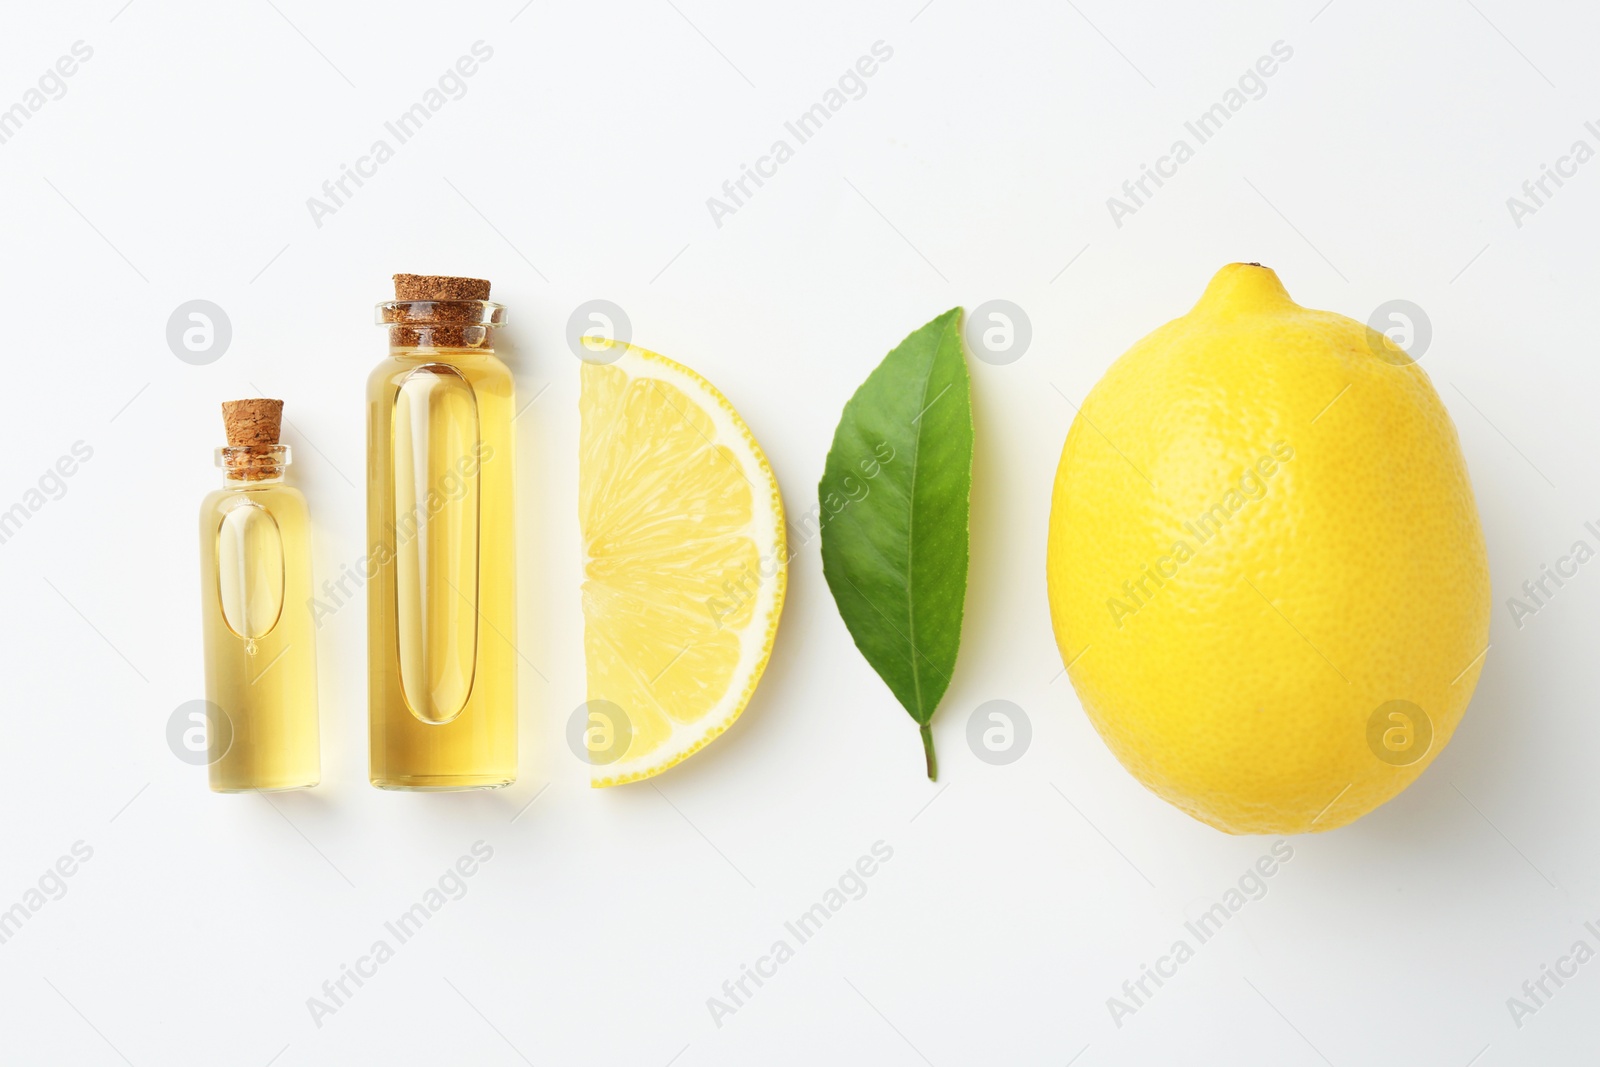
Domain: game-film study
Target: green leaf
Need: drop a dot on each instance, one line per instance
(894, 498)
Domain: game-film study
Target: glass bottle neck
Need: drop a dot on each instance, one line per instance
(441, 352)
(233, 480)
(430, 327)
(252, 466)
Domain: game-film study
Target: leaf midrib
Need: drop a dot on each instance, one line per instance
(911, 526)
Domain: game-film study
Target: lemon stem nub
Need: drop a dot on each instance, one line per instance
(927, 748)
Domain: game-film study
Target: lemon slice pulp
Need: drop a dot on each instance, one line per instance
(685, 561)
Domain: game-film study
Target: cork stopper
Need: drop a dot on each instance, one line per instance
(439, 287)
(252, 422)
(440, 311)
(252, 453)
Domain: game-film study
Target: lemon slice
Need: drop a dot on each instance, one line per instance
(685, 561)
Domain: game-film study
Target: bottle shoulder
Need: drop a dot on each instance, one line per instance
(482, 369)
(278, 498)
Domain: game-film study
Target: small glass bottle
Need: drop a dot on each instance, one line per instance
(260, 644)
(441, 590)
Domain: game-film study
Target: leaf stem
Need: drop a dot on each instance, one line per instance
(927, 748)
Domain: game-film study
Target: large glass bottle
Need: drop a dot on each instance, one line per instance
(255, 603)
(441, 596)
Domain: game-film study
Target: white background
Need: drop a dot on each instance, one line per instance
(977, 166)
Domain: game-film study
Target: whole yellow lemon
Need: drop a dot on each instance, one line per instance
(1267, 574)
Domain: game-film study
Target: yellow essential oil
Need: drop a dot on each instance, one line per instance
(441, 594)
(260, 644)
